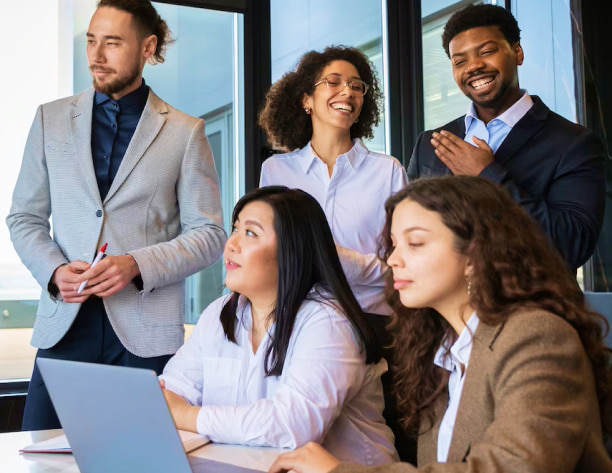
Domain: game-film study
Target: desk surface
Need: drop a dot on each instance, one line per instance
(12, 461)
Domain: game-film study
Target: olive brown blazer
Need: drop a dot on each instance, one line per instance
(528, 405)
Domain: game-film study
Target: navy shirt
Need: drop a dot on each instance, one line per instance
(113, 125)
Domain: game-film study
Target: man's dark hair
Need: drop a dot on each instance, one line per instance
(474, 16)
(148, 22)
(307, 259)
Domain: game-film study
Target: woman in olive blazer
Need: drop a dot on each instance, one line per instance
(499, 365)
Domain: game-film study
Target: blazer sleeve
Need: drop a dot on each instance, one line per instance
(202, 237)
(28, 219)
(414, 171)
(570, 209)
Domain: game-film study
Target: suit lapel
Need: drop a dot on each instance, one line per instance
(151, 122)
(80, 127)
(474, 414)
(523, 131)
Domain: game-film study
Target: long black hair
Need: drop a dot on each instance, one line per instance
(306, 257)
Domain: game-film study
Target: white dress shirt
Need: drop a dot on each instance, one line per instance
(353, 199)
(326, 393)
(495, 132)
(456, 361)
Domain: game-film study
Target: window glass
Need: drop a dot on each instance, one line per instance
(548, 69)
(202, 76)
(298, 26)
(442, 100)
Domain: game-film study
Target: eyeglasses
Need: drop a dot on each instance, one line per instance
(335, 81)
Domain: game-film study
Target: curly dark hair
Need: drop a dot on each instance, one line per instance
(474, 16)
(148, 21)
(282, 117)
(514, 267)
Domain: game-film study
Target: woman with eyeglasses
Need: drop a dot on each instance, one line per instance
(287, 357)
(318, 114)
(501, 367)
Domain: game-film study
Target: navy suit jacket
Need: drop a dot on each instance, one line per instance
(552, 167)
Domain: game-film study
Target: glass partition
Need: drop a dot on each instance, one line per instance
(356, 23)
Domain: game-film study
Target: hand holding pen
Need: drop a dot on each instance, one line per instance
(96, 260)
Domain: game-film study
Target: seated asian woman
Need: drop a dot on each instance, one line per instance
(287, 357)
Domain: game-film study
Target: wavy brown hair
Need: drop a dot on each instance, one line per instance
(282, 117)
(514, 267)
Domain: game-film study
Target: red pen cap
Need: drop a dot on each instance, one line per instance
(103, 249)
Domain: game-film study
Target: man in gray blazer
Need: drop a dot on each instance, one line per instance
(117, 165)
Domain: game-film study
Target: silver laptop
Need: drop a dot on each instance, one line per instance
(115, 418)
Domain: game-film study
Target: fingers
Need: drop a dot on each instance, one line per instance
(111, 275)
(446, 141)
(311, 458)
(481, 144)
(283, 463)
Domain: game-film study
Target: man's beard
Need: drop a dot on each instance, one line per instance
(119, 83)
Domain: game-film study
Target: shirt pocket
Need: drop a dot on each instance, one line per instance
(220, 381)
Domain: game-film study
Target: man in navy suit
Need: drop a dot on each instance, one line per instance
(551, 166)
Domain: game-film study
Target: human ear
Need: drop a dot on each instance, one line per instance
(307, 102)
(149, 46)
(518, 51)
(469, 269)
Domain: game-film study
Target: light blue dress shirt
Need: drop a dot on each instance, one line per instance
(453, 360)
(495, 132)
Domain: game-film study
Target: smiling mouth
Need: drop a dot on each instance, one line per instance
(480, 83)
(344, 107)
(230, 264)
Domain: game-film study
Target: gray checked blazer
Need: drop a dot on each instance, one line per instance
(163, 208)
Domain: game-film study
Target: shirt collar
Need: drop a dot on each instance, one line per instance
(459, 350)
(510, 117)
(134, 100)
(354, 156)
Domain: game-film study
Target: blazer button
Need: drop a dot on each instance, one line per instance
(98, 213)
